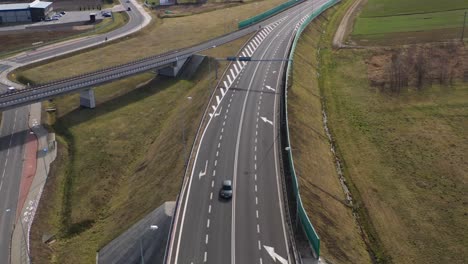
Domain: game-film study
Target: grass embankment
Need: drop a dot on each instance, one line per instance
(117, 162)
(404, 157)
(321, 191)
(160, 36)
(415, 21)
(22, 40)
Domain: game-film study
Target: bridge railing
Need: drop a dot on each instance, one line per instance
(301, 215)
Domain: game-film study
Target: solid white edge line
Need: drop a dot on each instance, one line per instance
(188, 190)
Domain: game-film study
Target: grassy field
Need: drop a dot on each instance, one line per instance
(404, 158)
(417, 22)
(321, 191)
(117, 162)
(385, 20)
(157, 38)
(379, 8)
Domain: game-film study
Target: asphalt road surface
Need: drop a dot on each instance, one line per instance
(240, 143)
(12, 137)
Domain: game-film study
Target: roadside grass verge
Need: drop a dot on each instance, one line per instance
(19, 41)
(117, 162)
(404, 160)
(161, 36)
(320, 188)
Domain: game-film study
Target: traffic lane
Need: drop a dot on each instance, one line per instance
(219, 230)
(248, 245)
(270, 184)
(207, 177)
(248, 228)
(194, 218)
(11, 164)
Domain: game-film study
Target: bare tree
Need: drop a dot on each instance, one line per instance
(421, 69)
(398, 73)
(444, 69)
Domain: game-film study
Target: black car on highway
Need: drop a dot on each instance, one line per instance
(226, 190)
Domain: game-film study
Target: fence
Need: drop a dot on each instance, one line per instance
(266, 14)
(307, 226)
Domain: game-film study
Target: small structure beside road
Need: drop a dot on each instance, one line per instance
(144, 242)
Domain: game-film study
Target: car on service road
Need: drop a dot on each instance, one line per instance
(226, 190)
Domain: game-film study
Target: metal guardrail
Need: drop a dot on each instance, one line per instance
(307, 226)
(268, 13)
(55, 88)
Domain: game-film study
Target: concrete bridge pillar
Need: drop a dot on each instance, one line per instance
(87, 98)
(173, 69)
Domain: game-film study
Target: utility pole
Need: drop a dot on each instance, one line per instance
(463, 31)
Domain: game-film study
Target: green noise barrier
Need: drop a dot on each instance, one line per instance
(266, 14)
(308, 228)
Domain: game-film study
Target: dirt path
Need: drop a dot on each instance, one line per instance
(345, 24)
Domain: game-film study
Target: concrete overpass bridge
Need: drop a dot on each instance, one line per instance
(168, 64)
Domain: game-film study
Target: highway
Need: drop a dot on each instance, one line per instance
(14, 126)
(240, 143)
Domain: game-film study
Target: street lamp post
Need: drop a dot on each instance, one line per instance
(140, 239)
(189, 98)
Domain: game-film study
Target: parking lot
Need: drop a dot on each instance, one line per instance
(69, 17)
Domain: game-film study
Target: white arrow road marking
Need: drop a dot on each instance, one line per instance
(274, 71)
(219, 112)
(269, 88)
(203, 173)
(275, 255)
(266, 120)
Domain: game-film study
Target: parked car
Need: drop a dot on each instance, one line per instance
(226, 190)
(107, 14)
(11, 89)
(62, 13)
